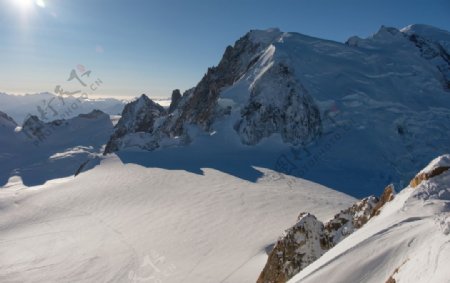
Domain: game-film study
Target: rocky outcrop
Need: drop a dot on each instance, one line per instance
(301, 245)
(387, 196)
(309, 239)
(349, 220)
(200, 105)
(139, 116)
(175, 99)
(435, 168)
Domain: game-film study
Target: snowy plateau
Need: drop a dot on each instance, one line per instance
(287, 133)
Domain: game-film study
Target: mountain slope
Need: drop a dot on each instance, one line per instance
(407, 242)
(334, 105)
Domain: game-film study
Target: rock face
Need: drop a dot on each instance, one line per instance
(199, 107)
(309, 239)
(138, 116)
(286, 109)
(175, 99)
(435, 168)
(302, 244)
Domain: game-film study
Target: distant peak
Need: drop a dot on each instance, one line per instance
(94, 114)
(144, 97)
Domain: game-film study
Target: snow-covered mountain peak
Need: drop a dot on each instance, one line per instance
(139, 116)
(303, 90)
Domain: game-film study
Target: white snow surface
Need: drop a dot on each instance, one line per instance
(58, 152)
(409, 241)
(441, 161)
(125, 222)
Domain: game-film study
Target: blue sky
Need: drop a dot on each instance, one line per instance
(154, 46)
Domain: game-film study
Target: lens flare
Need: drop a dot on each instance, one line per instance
(24, 4)
(28, 4)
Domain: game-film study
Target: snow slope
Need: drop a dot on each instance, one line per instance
(409, 241)
(125, 222)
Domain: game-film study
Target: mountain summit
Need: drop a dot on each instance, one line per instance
(385, 98)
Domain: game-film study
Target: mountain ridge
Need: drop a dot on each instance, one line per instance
(379, 97)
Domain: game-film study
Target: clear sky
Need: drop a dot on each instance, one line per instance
(154, 46)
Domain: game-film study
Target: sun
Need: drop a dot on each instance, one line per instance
(24, 4)
(28, 4)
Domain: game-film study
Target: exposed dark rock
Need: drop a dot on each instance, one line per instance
(176, 97)
(137, 116)
(309, 239)
(434, 51)
(279, 104)
(427, 175)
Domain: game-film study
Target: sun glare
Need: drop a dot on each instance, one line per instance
(28, 4)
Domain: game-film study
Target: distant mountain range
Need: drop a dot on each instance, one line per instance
(49, 107)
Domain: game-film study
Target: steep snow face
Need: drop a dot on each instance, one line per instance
(38, 151)
(138, 116)
(434, 45)
(406, 242)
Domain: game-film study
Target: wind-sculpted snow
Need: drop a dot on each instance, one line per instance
(133, 223)
(406, 242)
